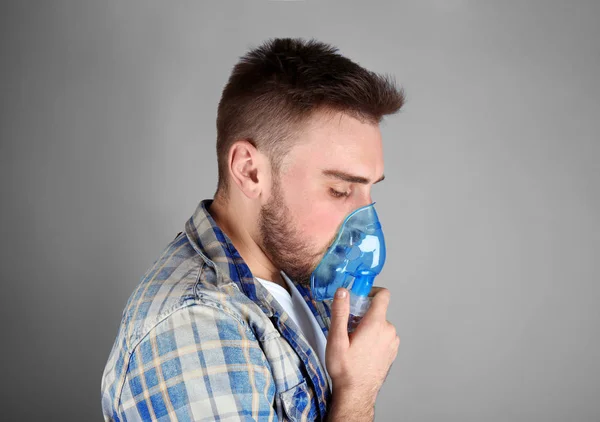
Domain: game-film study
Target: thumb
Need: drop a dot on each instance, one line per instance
(338, 330)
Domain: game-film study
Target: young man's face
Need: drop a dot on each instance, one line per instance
(310, 200)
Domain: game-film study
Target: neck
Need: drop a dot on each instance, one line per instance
(230, 217)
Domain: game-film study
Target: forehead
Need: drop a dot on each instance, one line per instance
(341, 142)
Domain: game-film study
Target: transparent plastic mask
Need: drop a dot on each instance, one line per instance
(354, 259)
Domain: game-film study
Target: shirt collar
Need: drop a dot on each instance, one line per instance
(218, 251)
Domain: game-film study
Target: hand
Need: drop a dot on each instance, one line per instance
(358, 363)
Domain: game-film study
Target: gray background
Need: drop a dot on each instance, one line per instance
(491, 204)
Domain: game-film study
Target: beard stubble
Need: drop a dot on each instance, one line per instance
(282, 243)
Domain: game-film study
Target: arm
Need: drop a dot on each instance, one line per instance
(199, 362)
(348, 407)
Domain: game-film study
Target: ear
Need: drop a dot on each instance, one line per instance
(246, 168)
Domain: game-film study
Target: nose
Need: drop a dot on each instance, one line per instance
(365, 200)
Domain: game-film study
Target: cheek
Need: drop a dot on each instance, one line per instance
(320, 224)
(316, 216)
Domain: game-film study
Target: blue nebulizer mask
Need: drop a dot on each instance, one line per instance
(353, 260)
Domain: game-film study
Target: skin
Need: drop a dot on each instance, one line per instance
(287, 222)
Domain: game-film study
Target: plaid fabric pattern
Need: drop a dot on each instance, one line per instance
(201, 339)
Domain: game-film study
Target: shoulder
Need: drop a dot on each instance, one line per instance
(178, 279)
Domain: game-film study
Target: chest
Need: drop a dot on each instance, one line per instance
(302, 388)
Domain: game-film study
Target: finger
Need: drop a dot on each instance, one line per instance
(379, 305)
(374, 290)
(338, 330)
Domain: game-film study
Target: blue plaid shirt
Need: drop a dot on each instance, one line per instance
(201, 339)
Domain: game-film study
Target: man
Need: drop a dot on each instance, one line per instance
(224, 326)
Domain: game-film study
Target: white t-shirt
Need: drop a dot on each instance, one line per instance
(298, 310)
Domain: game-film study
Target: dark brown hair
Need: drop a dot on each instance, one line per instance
(277, 87)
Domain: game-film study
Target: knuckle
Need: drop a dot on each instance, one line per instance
(392, 333)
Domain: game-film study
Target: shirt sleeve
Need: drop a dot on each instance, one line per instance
(200, 363)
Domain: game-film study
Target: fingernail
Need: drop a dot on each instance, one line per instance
(341, 293)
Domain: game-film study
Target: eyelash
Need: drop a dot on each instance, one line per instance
(337, 194)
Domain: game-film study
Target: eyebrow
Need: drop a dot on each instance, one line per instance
(351, 178)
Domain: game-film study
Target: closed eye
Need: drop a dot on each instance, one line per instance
(338, 194)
